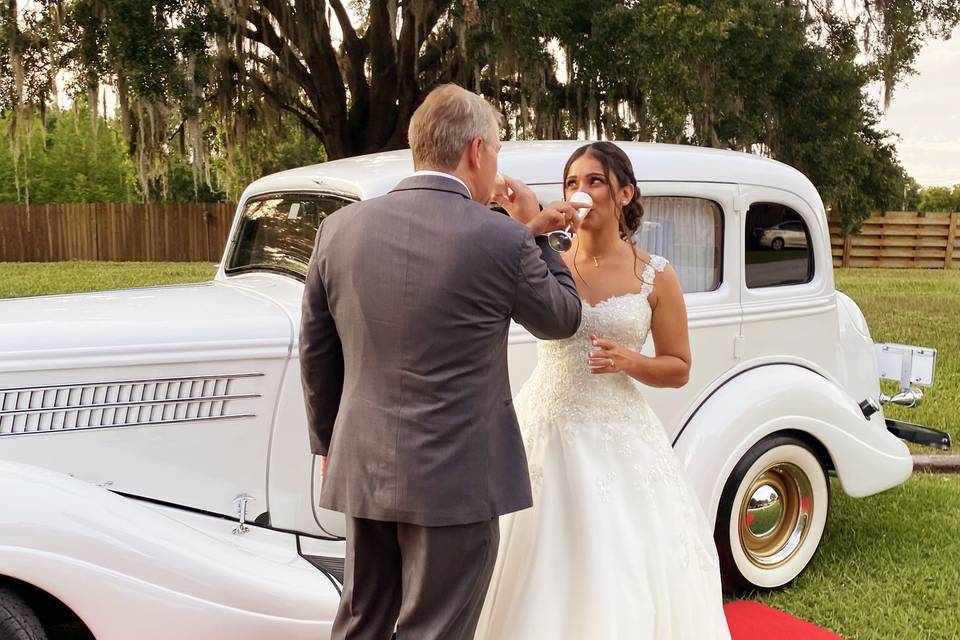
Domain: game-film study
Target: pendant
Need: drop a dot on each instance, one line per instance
(596, 264)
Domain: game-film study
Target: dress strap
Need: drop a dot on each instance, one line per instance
(657, 265)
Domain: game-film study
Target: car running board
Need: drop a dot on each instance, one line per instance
(926, 436)
(331, 567)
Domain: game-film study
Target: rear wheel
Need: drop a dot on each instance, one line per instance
(777, 244)
(17, 620)
(772, 515)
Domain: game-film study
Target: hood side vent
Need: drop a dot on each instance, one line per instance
(124, 403)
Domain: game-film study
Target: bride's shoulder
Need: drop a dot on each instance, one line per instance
(652, 262)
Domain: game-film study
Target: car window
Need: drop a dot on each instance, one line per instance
(277, 232)
(689, 233)
(778, 247)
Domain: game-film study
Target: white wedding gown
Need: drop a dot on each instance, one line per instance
(616, 544)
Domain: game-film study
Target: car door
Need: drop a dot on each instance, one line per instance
(787, 296)
(694, 226)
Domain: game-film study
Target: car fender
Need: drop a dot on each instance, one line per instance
(130, 570)
(773, 398)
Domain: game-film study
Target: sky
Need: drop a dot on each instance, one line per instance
(925, 112)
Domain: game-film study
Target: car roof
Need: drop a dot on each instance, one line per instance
(541, 162)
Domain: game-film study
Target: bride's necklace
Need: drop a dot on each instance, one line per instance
(596, 257)
(596, 262)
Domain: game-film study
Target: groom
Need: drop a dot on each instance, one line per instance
(403, 354)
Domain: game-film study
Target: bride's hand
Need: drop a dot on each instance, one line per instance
(608, 357)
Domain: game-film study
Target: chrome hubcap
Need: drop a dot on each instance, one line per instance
(775, 515)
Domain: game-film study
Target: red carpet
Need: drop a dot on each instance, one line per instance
(754, 621)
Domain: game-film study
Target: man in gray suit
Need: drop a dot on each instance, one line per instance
(403, 354)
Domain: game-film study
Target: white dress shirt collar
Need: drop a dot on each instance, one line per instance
(424, 172)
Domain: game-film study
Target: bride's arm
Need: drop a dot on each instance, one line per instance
(670, 367)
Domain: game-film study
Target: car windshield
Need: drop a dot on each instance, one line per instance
(277, 232)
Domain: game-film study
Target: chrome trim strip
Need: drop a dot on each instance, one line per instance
(118, 405)
(131, 424)
(137, 381)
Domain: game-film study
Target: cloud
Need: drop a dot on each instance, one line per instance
(924, 114)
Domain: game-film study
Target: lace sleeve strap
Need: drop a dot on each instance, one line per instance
(656, 265)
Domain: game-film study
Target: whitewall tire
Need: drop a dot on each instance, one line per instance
(772, 515)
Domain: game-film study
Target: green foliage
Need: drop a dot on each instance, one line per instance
(940, 199)
(181, 183)
(240, 85)
(265, 150)
(67, 160)
(911, 195)
(737, 74)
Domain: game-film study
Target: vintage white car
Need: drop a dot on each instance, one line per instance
(155, 475)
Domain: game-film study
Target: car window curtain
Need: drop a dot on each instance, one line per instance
(686, 231)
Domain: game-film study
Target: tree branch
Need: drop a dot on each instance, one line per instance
(357, 51)
(303, 113)
(272, 40)
(274, 66)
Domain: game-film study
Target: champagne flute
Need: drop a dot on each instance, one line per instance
(561, 241)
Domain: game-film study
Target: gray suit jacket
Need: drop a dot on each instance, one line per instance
(403, 353)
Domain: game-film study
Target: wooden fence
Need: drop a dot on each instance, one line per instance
(106, 231)
(197, 232)
(900, 239)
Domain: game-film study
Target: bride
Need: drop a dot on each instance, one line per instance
(616, 545)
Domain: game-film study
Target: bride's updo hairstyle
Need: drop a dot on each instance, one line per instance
(615, 163)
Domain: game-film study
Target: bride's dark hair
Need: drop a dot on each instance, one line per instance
(615, 163)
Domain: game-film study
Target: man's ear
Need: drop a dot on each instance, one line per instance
(474, 152)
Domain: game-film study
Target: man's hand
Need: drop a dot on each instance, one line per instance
(557, 216)
(521, 203)
(523, 206)
(323, 468)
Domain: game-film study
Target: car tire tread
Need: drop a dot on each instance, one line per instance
(17, 619)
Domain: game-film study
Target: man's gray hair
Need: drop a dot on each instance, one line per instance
(446, 122)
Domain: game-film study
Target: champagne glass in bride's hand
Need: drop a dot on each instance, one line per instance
(561, 241)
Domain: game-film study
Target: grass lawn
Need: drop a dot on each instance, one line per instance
(889, 565)
(42, 278)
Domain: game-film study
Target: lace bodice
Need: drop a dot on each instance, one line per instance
(562, 376)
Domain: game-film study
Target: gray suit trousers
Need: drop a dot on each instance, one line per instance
(434, 579)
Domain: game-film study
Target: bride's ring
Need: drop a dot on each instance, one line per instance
(610, 363)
